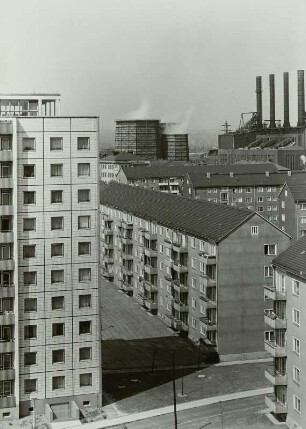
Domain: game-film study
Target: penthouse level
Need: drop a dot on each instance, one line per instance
(199, 266)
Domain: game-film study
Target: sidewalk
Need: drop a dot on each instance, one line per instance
(167, 410)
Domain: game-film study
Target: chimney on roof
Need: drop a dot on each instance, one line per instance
(267, 173)
(272, 101)
(208, 175)
(286, 100)
(231, 174)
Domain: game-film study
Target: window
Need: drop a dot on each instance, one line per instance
(259, 199)
(30, 358)
(56, 197)
(85, 380)
(283, 217)
(56, 143)
(30, 385)
(83, 143)
(58, 329)
(296, 288)
(83, 169)
(296, 404)
(194, 323)
(29, 224)
(58, 382)
(58, 356)
(28, 170)
(5, 143)
(29, 197)
(248, 190)
(29, 251)
(296, 316)
(296, 345)
(296, 374)
(303, 206)
(84, 301)
(84, 275)
(83, 195)
(193, 303)
(193, 282)
(57, 222)
(29, 278)
(268, 271)
(248, 200)
(30, 304)
(85, 327)
(57, 276)
(56, 170)
(57, 249)
(84, 248)
(84, 222)
(260, 189)
(28, 144)
(161, 248)
(270, 249)
(30, 332)
(260, 209)
(85, 353)
(303, 219)
(193, 242)
(193, 263)
(254, 230)
(57, 303)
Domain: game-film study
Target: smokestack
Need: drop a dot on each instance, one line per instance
(259, 100)
(301, 98)
(272, 101)
(286, 100)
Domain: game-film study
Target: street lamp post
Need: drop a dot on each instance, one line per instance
(33, 399)
(174, 391)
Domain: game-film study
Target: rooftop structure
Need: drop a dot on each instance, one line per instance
(29, 105)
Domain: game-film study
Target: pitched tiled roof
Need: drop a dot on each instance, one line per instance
(199, 218)
(293, 259)
(200, 180)
(123, 156)
(297, 186)
(181, 170)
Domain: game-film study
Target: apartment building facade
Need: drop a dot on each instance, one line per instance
(49, 259)
(285, 335)
(199, 266)
(110, 165)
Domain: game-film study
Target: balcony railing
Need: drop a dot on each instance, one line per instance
(272, 293)
(150, 305)
(150, 287)
(275, 349)
(178, 247)
(275, 405)
(274, 376)
(180, 306)
(274, 321)
(180, 287)
(210, 325)
(180, 268)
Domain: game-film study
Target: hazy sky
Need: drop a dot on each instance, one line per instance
(172, 59)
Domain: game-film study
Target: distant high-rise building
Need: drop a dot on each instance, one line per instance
(49, 258)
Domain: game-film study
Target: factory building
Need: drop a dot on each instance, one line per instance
(199, 266)
(49, 259)
(285, 336)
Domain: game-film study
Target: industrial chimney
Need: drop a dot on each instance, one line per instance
(272, 101)
(301, 99)
(259, 100)
(286, 100)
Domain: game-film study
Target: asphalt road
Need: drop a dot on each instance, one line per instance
(237, 414)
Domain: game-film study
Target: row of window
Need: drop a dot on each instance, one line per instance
(56, 143)
(57, 223)
(57, 330)
(56, 170)
(57, 249)
(248, 190)
(58, 382)
(56, 196)
(57, 303)
(58, 356)
(57, 276)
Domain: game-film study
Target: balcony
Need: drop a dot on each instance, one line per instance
(127, 256)
(7, 374)
(275, 350)
(7, 318)
(169, 320)
(150, 287)
(150, 270)
(208, 342)
(272, 293)
(210, 303)
(127, 287)
(140, 299)
(275, 404)
(177, 324)
(168, 278)
(108, 231)
(150, 236)
(150, 253)
(107, 259)
(126, 240)
(272, 320)
(127, 225)
(8, 401)
(128, 271)
(7, 291)
(179, 287)
(6, 182)
(150, 305)
(208, 324)
(211, 282)
(107, 245)
(275, 377)
(180, 268)
(107, 274)
(7, 346)
(177, 247)
(7, 264)
(180, 306)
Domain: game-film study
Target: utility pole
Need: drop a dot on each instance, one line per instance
(174, 391)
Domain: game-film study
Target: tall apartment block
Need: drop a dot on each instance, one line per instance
(199, 266)
(49, 258)
(285, 336)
